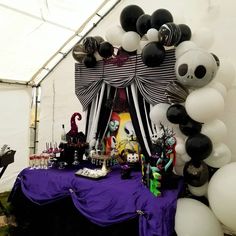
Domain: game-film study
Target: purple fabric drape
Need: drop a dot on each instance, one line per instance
(105, 201)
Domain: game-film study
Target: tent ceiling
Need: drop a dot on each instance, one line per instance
(37, 34)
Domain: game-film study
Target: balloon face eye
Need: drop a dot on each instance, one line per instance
(183, 69)
(200, 72)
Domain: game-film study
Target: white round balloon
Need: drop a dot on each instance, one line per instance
(152, 35)
(204, 104)
(226, 73)
(220, 156)
(130, 41)
(198, 191)
(203, 37)
(193, 218)
(158, 114)
(219, 87)
(114, 35)
(222, 195)
(184, 47)
(215, 129)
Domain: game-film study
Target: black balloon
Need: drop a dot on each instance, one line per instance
(177, 114)
(90, 45)
(143, 24)
(160, 17)
(129, 17)
(186, 33)
(105, 50)
(191, 127)
(169, 34)
(196, 174)
(89, 61)
(153, 54)
(198, 146)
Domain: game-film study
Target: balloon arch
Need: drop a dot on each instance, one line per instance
(195, 103)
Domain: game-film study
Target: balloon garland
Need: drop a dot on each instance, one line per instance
(195, 102)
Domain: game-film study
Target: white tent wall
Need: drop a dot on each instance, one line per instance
(216, 15)
(14, 129)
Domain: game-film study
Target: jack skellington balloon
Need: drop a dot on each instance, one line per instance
(195, 68)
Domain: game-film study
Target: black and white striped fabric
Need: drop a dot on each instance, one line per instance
(150, 81)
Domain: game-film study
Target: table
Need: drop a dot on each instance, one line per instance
(104, 202)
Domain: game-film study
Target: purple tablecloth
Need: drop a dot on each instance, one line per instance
(105, 201)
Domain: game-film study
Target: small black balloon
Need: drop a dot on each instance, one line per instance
(129, 17)
(177, 114)
(169, 34)
(105, 50)
(89, 61)
(191, 127)
(186, 33)
(196, 174)
(143, 24)
(160, 17)
(153, 54)
(90, 45)
(198, 146)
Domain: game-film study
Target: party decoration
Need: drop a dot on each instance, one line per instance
(90, 45)
(196, 173)
(184, 47)
(198, 191)
(203, 37)
(153, 54)
(195, 68)
(89, 61)
(176, 92)
(226, 73)
(129, 17)
(186, 33)
(114, 35)
(152, 35)
(220, 156)
(158, 114)
(194, 218)
(143, 24)
(204, 104)
(105, 49)
(169, 34)
(130, 41)
(160, 17)
(190, 127)
(215, 129)
(222, 195)
(79, 53)
(198, 146)
(176, 114)
(219, 87)
(99, 39)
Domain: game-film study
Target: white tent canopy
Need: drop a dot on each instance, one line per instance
(37, 34)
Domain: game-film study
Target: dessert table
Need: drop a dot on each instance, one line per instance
(104, 202)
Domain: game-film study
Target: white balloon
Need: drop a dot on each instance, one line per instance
(203, 37)
(130, 41)
(222, 195)
(220, 156)
(198, 191)
(152, 35)
(114, 35)
(179, 161)
(185, 157)
(158, 114)
(215, 129)
(142, 44)
(226, 73)
(219, 87)
(193, 218)
(184, 47)
(179, 170)
(180, 148)
(204, 104)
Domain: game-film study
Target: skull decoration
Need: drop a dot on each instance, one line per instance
(129, 130)
(195, 68)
